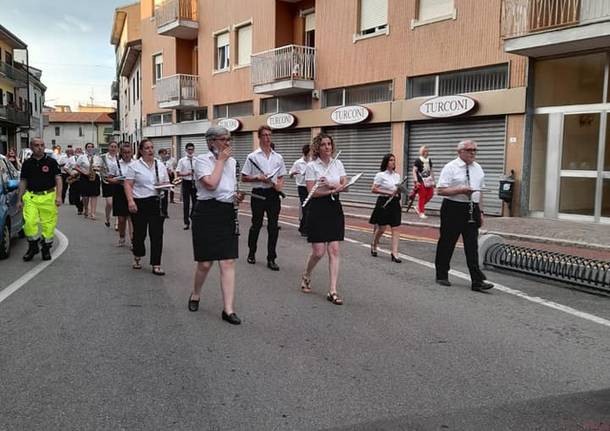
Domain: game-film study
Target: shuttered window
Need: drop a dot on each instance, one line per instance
(310, 22)
(222, 51)
(244, 44)
(431, 9)
(242, 146)
(373, 15)
(289, 144)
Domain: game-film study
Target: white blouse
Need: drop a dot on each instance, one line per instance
(268, 165)
(315, 169)
(113, 168)
(387, 181)
(225, 191)
(298, 168)
(454, 174)
(83, 162)
(186, 166)
(144, 178)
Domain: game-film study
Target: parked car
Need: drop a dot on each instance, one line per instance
(11, 217)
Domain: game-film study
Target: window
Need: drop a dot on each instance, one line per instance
(155, 5)
(460, 82)
(434, 10)
(244, 44)
(160, 118)
(1, 97)
(8, 57)
(133, 89)
(9, 98)
(310, 30)
(157, 67)
(222, 51)
(192, 115)
(373, 16)
(273, 105)
(360, 94)
(240, 109)
(80, 131)
(138, 84)
(53, 142)
(56, 131)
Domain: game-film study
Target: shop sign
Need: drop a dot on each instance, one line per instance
(350, 114)
(231, 124)
(447, 106)
(281, 120)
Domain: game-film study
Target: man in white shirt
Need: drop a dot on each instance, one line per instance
(265, 169)
(170, 165)
(185, 169)
(461, 182)
(62, 159)
(298, 173)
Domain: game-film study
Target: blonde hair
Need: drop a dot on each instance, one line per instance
(422, 149)
(317, 141)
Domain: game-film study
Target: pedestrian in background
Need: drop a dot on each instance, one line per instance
(11, 156)
(460, 184)
(298, 173)
(170, 165)
(387, 211)
(423, 177)
(185, 170)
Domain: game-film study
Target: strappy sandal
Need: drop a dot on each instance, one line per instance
(334, 298)
(136, 263)
(305, 284)
(157, 270)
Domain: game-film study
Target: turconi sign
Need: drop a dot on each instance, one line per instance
(447, 106)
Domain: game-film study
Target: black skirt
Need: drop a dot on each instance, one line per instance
(89, 188)
(213, 225)
(390, 215)
(119, 201)
(107, 190)
(325, 220)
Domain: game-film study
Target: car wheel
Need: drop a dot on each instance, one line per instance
(5, 242)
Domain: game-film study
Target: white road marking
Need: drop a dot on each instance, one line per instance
(500, 287)
(21, 281)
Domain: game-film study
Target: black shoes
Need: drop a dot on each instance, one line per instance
(443, 282)
(395, 259)
(193, 305)
(231, 318)
(482, 285)
(373, 251)
(251, 259)
(32, 251)
(186, 227)
(272, 265)
(46, 250)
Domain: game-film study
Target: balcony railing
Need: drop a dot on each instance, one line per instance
(114, 90)
(522, 17)
(177, 91)
(291, 62)
(14, 116)
(13, 73)
(177, 12)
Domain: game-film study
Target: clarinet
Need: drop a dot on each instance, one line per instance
(235, 201)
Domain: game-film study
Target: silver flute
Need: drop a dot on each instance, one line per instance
(317, 184)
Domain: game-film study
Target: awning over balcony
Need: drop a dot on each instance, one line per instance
(287, 70)
(177, 91)
(178, 18)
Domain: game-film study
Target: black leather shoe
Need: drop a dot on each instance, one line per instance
(443, 282)
(395, 259)
(251, 259)
(33, 250)
(193, 305)
(272, 265)
(46, 250)
(186, 227)
(231, 318)
(483, 285)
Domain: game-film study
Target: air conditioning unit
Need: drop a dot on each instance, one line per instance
(315, 94)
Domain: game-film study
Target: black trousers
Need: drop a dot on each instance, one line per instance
(303, 211)
(259, 207)
(455, 222)
(189, 198)
(74, 196)
(64, 187)
(148, 219)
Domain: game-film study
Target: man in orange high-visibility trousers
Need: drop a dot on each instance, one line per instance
(40, 197)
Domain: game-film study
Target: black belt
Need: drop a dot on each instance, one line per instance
(460, 203)
(44, 192)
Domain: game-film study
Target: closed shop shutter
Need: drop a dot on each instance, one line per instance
(289, 143)
(442, 139)
(363, 148)
(162, 142)
(201, 146)
(242, 146)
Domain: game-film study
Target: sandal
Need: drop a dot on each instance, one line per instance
(136, 263)
(334, 298)
(305, 284)
(121, 242)
(157, 270)
(193, 305)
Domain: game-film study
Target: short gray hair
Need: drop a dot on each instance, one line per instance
(34, 139)
(216, 132)
(465, 142)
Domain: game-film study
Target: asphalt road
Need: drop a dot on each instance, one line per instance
(90, 344)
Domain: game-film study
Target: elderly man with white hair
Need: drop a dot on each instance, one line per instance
(460, 183)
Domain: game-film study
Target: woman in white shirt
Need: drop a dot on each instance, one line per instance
(116, 176)
(325, 220)
(298, 173)
(108, 159)
(386, 184)
(89, 189)
(215, 224)
(144, 202)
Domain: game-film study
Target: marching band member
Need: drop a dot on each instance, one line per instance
(257, 169)
(325, 221)
(170, 164)
(62, 161)
(144, 204)
(108, 159)
(116, 177)
(215, 228)
(185, 169)
(298, 173)
(73, 182)
(89, 182)
(386, 213)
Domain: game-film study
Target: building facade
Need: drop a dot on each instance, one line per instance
(379, 75)
(77, 129)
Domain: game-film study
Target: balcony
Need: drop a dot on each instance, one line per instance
(13, 116)
(114, 90)
(539, 28)
(17, 76)
(177, 91)
(178, 18)
(283, 71)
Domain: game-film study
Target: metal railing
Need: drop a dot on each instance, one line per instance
(174, 10)
(114, 90)
(579, 271)
(521, 17)
(12, 115)
(177, 88)
(287, 62)
(13, 73)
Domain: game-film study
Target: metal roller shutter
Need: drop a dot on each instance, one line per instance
(289, 143)
(242, 146)
(201, 146)
(363, 148)
(162, 142)
(442, 139)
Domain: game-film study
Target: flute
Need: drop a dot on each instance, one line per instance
(235, 197)
(317, 184)
(399, 187)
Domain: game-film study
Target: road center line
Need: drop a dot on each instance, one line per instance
(21, 281)
(508, 290)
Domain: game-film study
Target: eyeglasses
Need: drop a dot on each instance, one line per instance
(470, 150)
(223, 139)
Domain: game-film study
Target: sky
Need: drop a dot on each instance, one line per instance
(70, 41)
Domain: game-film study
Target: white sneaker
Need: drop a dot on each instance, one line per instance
(422, 216)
